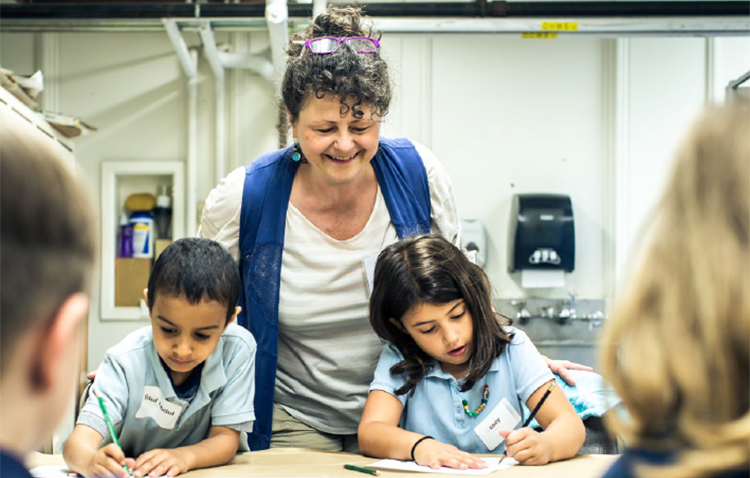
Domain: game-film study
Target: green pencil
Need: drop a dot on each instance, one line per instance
(110, 427)
(369, 471)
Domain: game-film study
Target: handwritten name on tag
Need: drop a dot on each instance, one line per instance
(164, 413)
(502, 418)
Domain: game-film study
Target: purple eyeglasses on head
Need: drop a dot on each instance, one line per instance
(326, 45)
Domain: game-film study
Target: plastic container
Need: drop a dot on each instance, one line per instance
(126, 237)
(143, 234)
(163, 213)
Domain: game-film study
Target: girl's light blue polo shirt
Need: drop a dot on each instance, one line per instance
(436, 410)
(132, 373)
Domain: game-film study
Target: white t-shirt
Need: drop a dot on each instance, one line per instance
(327, 349)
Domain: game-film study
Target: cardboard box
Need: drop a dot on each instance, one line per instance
(131, 277)
(159, 246)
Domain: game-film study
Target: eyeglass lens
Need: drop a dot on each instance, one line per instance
(324, 45)
(329, 45)
(362, 45)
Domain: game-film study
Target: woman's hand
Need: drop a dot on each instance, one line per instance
(435, 454)
(160, 462)
(108, 462)
(561, 367)
(527, 446)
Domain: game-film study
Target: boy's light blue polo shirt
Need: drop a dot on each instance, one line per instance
(436, 410)
(144, 408)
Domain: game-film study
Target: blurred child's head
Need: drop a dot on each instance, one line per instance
(192, 296)
(432, 303)
(47, 251)
(677, 348)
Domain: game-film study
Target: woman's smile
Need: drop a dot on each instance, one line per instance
(342, 159)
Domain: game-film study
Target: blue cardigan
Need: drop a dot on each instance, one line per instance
(265, 198)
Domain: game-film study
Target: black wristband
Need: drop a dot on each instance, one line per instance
(426, 437)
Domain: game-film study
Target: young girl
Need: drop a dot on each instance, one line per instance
(451, 364)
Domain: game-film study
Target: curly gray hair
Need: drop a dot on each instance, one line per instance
(355, 78)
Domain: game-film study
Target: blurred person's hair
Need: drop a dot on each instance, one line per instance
(47, 241)
(677, 348)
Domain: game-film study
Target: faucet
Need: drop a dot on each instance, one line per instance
(523, 315)
(565, 315)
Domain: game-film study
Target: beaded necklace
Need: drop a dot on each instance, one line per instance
(485, 399)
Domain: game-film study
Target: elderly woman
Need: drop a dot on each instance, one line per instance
(307, 221)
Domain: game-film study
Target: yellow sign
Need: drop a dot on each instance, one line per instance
(542, 35)
(560, 26)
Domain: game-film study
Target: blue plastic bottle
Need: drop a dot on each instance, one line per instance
(143, 234)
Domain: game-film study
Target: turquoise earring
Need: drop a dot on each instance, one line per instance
(296, 156)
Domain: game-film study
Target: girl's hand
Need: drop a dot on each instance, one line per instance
(527, 446)
(435, 454)
(160, 462)
(107, 462)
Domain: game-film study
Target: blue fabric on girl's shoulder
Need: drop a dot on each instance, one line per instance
(589, 397)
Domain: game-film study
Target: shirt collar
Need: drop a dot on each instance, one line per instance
(437, 372)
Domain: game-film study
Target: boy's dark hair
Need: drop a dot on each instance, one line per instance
(47, 241)
(199, 270)
(358, 77)
(430, 270)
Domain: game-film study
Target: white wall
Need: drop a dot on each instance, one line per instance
(504, 115)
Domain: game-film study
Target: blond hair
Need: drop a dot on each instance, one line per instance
(677, 348)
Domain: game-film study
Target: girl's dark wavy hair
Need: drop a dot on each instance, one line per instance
(356, 78)
(429, 269)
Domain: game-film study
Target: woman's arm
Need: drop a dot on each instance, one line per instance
(218, 449)
(561, 367)
(563, 433)
(380, 436)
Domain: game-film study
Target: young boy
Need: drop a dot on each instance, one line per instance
(180, 392)
(47, 251)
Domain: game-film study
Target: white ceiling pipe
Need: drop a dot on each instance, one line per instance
(178, 43)
(319, 6)
(192, 153)
(212, 55)
(593, 26)
(210, 50)
(277, 19)
(189, 61)
(255, 63)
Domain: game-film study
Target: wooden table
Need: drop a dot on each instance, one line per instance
(303, 463)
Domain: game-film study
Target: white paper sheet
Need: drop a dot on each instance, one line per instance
(494, 465)
(49, 471)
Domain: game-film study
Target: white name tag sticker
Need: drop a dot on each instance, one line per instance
(503, 418)
(369, 263)
(164, 413)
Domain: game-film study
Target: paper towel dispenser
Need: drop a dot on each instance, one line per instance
(542, 235)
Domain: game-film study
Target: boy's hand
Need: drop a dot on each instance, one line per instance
(107, 462)
(160, 462)
(527, 446)
(435, 454)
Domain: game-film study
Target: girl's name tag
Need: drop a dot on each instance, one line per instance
(503, 418)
